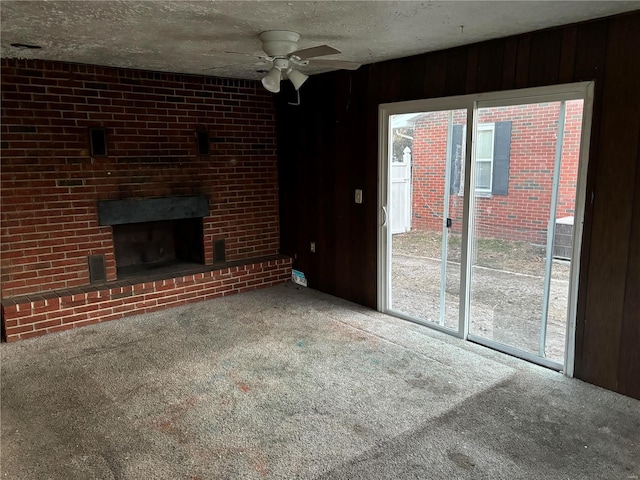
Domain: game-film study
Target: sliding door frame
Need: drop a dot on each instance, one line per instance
(571, 91)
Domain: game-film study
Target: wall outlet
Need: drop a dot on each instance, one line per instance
(358, 195)
(312, 247)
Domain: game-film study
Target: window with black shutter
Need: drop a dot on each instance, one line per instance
(501, 153)
(492, 159)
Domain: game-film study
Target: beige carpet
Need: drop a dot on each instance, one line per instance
(292, 383)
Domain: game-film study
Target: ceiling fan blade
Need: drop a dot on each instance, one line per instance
(336, 64)
(315, 52)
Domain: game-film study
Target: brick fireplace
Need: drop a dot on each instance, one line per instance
(152, 221)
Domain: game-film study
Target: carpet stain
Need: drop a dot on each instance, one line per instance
(244, 388)
(259, 464)
(359, 429)
(166, 423)
(462, 460)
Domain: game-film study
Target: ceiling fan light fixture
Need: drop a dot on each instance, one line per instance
(297, 78)
(271, 80)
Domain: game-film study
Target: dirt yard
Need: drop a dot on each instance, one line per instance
(507, 288)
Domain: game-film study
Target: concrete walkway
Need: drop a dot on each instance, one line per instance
(291, 383)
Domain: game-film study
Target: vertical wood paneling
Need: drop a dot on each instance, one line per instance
(568, 54)
(591, 49)
(522, 61)
(591, 42)
(612, 210)
(509, 63)
(544, 58)
(629, 359)
(456, 76)
(435, 77)
(606, 344)
(354, 166)
(365, 174)
(472, 69)
(489, 70)
(341, 232)
(325, 173)
(368, 247)
(391, 84)
(406, 80)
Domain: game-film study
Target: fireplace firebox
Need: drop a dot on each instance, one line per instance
(153, 234)
(152, 245)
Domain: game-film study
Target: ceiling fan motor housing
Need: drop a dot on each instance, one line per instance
(281, 63)
(279, 43)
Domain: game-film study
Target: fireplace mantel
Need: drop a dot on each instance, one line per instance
(138, 210)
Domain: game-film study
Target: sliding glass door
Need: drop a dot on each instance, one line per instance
(480, 205)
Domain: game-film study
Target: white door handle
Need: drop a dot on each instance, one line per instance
(384, 217)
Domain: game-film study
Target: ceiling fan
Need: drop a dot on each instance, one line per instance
(281, 48)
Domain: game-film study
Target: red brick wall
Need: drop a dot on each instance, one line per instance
(524, 212)
(50, 184)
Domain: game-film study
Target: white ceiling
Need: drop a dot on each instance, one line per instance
(193, 36)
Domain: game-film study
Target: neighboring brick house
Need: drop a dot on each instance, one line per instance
(516, 146)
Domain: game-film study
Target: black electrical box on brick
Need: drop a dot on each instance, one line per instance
(203, 142)
(219, 254)
(98, 138)
(97, 269)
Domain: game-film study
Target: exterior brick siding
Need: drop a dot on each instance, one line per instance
(523, 213)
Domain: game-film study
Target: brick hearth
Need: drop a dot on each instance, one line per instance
(33, 315)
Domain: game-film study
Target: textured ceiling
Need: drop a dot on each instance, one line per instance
(196, 36)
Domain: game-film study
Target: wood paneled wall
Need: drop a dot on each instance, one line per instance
(328, 147)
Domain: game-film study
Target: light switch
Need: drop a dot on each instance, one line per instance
(358, 195)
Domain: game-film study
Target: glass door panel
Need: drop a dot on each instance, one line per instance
(524, 189)
(425, 248)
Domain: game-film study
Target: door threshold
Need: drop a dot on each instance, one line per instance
(516, 352)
